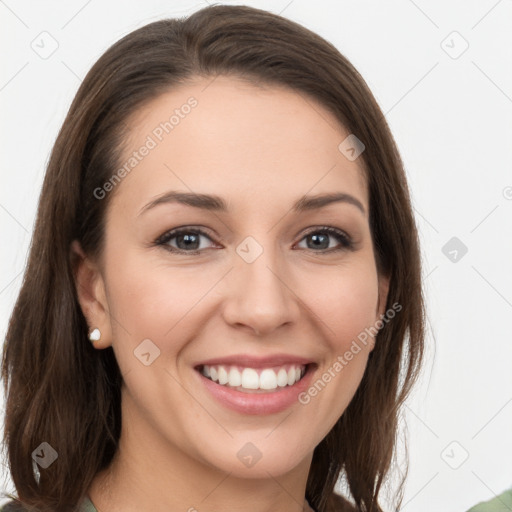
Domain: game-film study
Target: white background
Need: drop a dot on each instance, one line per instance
(452, 120)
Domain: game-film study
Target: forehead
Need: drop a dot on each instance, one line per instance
(229, 137)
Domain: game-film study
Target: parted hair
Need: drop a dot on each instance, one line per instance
(61, 390)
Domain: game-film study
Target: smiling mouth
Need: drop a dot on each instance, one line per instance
(255, 380)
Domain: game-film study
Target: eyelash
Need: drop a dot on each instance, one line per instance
(345, 241)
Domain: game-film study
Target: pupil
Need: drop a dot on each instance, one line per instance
(189, 239)
(316, 238)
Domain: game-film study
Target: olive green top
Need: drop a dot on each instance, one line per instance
(502, 503)
(85, 506)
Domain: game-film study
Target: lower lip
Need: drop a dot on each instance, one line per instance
(258, 403)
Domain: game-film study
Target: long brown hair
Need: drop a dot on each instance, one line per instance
(62, 391)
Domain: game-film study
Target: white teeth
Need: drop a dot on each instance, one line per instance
(234, 377)
(249, 378)
(268, 379)
(223, 375)
(282, 378)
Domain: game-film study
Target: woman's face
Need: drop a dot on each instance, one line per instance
(253, 286)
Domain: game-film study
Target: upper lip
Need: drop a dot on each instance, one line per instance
(249, 361)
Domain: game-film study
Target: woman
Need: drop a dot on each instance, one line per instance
(222, 307)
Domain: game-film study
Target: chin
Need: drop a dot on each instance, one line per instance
(248, 459)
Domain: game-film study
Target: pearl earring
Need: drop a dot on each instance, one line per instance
(95, 335)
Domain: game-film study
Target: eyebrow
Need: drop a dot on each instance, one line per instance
(216, 203)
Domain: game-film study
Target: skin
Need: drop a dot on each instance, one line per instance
(261, 149)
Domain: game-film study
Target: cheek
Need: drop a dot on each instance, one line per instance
(149, 299)
(347, 305)
(347, 308)
(145, 299)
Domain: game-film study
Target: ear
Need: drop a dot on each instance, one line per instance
(383, 295)
(383, 284)
(91, 294)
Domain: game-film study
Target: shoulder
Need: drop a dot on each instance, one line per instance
(12, 506)
(15, 506)
(498, 504)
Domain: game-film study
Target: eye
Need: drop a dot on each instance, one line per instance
(320, 240)
(187, 240)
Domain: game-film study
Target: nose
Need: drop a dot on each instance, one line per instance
(259, 296)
